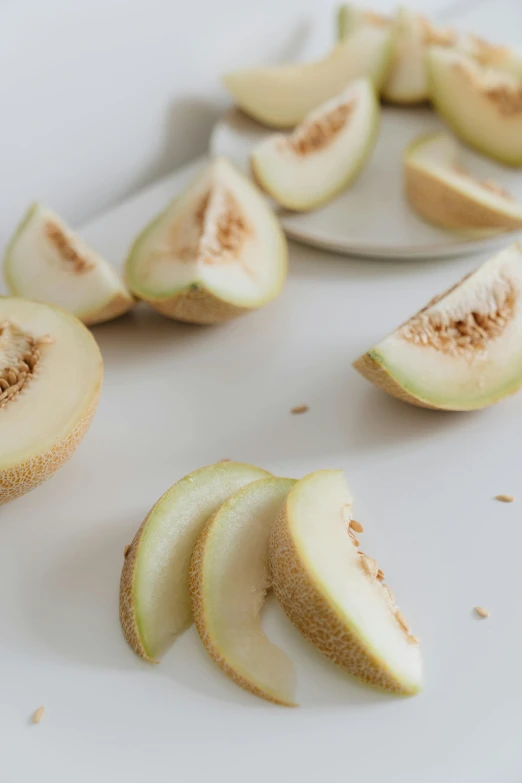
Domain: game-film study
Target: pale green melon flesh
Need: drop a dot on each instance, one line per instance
(181, 248)
(470, 377)
(160, 591)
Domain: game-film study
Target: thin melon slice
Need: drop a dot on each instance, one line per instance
(229, 579)
(217, 251)
(50, 379)
(333, 593)
(154, 590)
(48, 262)
(282, 96)
(324, 154)
(463, 351)
(444, 193)
(482, 105)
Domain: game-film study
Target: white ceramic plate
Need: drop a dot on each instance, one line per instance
(177, 397)
(373, 217)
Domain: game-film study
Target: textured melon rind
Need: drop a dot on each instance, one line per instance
(19, 479)
(199, 611)
(317, 619)
(196, 305)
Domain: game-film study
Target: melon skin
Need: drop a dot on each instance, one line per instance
(370, 368)
(196, 305)
(317, 620)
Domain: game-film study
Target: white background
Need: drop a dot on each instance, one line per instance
(100, 97)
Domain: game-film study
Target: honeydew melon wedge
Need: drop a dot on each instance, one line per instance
(154, 589)
(50, 379)
(444, 193)
(463, 351)
(482, 105)
(228, 582)
(48, 262)
(217, 251)
(282, 96)
(324, 154)
(333, 593)
(504, 58)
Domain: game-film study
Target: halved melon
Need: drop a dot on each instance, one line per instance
(48, 262)
(463, 351)
(281, 96)
(481, 104)
(335, 594)
(217, 251)
(154, 590)
(50, 379)
(229, 579)
(324, 154)
(444, 193)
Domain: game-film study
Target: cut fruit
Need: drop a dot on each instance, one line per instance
(324, 154)
(482, 105)
(50, 379)
(411, 35)
(46, 261)
(229, 579)
(503, 58)
(334, 594)
(154, 591)
(282, 96)
(216, 252)
(463, 351)
(443, 192)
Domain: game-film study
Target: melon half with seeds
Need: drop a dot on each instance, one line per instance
(481, 104)
(48, 262)
(335, 594)
(463, 351)
(50, 379)
(216, 252)
(444, 193)
(229, 579)
(324, 154)
(154, 593)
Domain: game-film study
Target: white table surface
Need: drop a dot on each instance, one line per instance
(177, 397)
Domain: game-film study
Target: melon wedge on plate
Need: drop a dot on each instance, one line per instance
(217, 251)
(463, 351)
(154, 590)
(482, 105)
(281, 96)
(444, 193)
(324, 154)
(48, 262)
(228, 582)
(335, 594)
(50, 379)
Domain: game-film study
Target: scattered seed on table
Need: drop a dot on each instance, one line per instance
(38, 714)
(300, 409)
(505, 498)
(481, 611)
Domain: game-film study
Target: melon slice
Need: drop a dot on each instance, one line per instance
(444, 193)
(282, 96)
(217, 251)
(482, 105)
(154, 591)
(463, 351)
(48, 262)
(324, 154)
(503, 58)
(50, 379)
(335, 594)
(228, 582)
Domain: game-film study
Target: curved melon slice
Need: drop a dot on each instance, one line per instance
(463, 351)
(444, 193)
(217, 251)
(482, 105)
(503, 58)
(282, 96)
(228, 581)
(324, 154)
(333, 593)
(46, 261)
(154, 590)
(50, 379)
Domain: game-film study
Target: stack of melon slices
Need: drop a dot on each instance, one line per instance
(221, 537)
